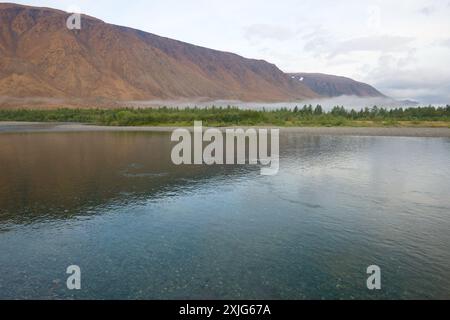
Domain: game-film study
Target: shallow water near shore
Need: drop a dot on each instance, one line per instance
(141, 228)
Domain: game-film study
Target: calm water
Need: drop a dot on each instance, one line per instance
(142, 228)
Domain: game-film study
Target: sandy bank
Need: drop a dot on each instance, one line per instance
(11, 127)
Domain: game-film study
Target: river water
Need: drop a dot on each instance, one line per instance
(140, 227)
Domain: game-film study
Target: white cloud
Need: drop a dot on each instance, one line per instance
(445, 43)
(377, 43)
(402, 78)
(267, 31)
(428, 10)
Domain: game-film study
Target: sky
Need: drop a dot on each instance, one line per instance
(401, 47)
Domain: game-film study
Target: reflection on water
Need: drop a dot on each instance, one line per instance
(140, 227)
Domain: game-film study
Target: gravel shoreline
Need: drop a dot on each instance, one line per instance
(17, 127)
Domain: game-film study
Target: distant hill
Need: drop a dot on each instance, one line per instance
(334, 86)
(40, 57)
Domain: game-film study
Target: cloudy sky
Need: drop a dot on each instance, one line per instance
(402, 47)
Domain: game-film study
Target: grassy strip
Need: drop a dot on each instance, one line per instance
(230, 116)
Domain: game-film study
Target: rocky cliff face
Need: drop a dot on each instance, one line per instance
(41, 57)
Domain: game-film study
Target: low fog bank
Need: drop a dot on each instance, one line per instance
(7, 102)
(349, 102)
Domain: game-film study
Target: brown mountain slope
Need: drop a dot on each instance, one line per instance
(40, 57)
(333, 86)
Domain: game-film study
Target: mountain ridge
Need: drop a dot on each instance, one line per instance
(331, 86)
(41, 58)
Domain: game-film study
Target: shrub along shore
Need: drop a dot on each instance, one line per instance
(307, 116)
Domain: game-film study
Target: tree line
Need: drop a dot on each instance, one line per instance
(220, 116)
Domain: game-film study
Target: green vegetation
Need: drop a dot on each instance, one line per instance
(231, 116)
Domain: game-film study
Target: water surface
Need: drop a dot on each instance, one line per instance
(142, 228)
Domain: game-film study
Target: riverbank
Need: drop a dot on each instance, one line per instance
(17, 127)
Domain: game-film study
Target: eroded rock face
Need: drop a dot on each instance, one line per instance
(41, 57)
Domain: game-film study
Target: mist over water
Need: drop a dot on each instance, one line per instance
(349, 102)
